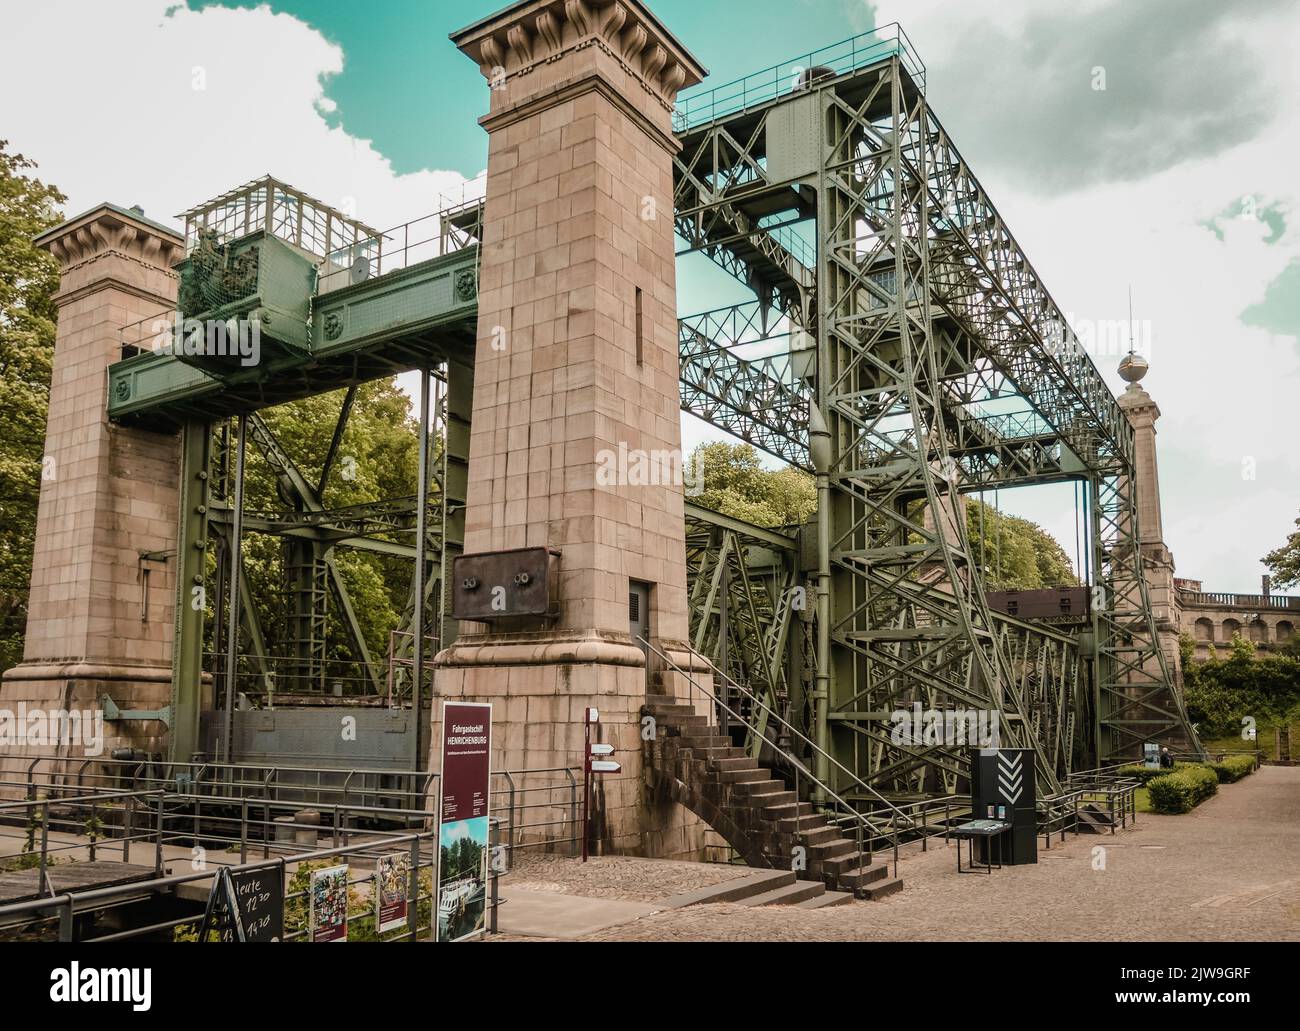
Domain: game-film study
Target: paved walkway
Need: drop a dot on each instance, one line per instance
(1230, 870)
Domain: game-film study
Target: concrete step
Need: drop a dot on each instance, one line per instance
(757, 883)
(809, 823)
(742, 777)
(847, 862)
(740, 762)
(788, 895)
(879, 889)
(763, 784)
(830, 898)
(788, 812)
(703, 741)
(828, 850)
(666, 711)
(775, 800)
(813, 834)
(863, 876)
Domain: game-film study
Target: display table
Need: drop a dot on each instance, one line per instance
(991, 831)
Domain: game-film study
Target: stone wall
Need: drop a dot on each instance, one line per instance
(100, 612)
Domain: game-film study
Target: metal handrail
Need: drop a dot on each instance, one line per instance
(857, 781)
(850, 812)
(849, 55)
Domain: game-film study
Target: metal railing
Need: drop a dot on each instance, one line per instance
(102, 822)
(538, 808)
(33, 916)
(867, 828)
(698, 107)
(453, 227)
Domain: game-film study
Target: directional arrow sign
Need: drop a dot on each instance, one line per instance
(602, 749)
(604, 766)
(1011, 775)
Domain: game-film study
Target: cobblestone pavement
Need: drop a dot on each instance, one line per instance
(1230, 870)
(615, 877)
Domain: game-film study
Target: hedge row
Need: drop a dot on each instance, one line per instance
(1233, 767)
(1143, 775)
(1183, 790)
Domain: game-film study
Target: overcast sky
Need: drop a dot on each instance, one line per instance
(1177, 178)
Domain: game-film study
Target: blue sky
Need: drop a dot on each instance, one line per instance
(1176, 178)
(403, 79)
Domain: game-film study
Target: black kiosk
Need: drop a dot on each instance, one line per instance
(1002, 789)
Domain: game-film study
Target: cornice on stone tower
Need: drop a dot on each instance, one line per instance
(513, 42)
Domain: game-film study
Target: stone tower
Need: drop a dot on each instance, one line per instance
(99, 622)
(1157, 561)
(576, 375)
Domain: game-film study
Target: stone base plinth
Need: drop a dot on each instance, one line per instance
(539, 691)
(35, 698)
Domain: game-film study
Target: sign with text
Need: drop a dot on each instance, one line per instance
(463, 820)
(329, 904)
(247, 905)
(392, 882)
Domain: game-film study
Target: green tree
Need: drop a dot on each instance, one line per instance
(1015, 553)
(28, 280)
(377, 460)
(1223, 689)
(1284, 562)
(735, 483)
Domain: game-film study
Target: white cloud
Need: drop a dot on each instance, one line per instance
(135, 105)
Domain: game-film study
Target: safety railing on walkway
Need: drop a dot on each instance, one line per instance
(57, 915)
(861, 51)
(457, 224)
(538, 808)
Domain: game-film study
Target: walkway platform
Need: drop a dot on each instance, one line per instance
(21, 885)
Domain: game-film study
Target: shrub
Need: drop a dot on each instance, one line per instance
(1233, 767)
(1144, 776)
(1183, 790)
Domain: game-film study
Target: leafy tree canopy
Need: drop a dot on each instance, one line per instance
(28, 280)
(1284, 562)
(736, 484)
(1224, 689)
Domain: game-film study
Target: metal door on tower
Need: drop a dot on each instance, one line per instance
(638, 614)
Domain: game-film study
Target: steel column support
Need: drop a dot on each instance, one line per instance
(232, 602)
(191, 596)
(421, 548)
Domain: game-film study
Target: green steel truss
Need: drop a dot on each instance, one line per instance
(942, 367)
(899, 345)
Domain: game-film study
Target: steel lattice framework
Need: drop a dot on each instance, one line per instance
(943, 367)
(899, 346)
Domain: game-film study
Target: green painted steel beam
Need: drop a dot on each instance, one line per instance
(365, 331)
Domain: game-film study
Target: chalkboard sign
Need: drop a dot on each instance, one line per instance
(247, 905)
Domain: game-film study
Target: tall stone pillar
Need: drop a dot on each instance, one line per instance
(100, 612)
(1157, 561)
(576, 382)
